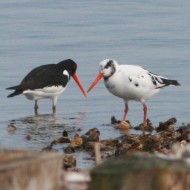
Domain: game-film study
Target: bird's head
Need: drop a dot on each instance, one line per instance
(107, 69)
(69, 68)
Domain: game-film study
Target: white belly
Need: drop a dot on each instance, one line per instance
(121, 87)
(47, 92)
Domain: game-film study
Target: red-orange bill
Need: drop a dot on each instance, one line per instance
(98, 78)
(77, 80)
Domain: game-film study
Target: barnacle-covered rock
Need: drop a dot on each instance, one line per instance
(77, 141)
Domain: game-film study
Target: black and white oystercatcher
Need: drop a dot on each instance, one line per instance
(47, 81)
(131, 82)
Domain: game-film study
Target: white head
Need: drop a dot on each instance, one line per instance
(108, 67)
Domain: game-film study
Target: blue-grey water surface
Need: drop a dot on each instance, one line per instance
(153, 34)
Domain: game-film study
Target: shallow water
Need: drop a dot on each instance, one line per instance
(154, 35)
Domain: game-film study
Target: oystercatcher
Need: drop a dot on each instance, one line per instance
(47, 81)
(131, 82)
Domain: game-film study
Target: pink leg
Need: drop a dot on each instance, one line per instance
(145, 114)
(54, 109)
(36, 107)
(125, 112)
(54, 101)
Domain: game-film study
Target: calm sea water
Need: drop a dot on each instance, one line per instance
(155, 35)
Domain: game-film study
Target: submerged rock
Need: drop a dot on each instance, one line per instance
(63, 139)
(28, 137)
(69, 162)
(11, 128)
(149, 127)
(167, 125)
(92, 135)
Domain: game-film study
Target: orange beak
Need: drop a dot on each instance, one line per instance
(77, 80)
(98, 78)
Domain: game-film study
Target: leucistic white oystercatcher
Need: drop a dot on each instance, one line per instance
(131, 82)
(47, 81)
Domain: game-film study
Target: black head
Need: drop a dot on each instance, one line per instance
(69, 65)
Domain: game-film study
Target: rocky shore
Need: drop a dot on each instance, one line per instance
(164, 143)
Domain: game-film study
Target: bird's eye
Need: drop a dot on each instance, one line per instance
(109, 64)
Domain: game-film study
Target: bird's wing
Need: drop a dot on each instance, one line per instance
(42, 76)
(158, 81)
(143, 77)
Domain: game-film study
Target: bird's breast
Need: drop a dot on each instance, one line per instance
(110, 86)
(114, 87)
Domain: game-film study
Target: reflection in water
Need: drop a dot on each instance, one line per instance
(45, 127)
(80, 119)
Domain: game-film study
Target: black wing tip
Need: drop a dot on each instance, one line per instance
(175, 83)
(15, 93)
(169, 82)
(13, 87)
(9, 88)
(10, 95)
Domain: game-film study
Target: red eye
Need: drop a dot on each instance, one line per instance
(109, 64)
(74, 66)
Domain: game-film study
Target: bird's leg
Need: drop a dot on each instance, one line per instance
(54, 101)
(36, 107)
(125, 111)
(145, 115)
(116, 125)
(54, 109)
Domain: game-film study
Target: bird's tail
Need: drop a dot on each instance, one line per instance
(169, 82)
(161, 82)
(15, 93)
